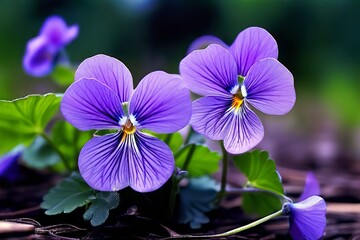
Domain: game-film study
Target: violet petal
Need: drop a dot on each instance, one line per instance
(245, 131)
(9, 166)
(113, 162)
(71, 34)
(103, 163)
(210, 116)
(161, 103)
(88, 104)
(312, 187)
(308, 218)
(252, 45)
(211, 71)
(152, 165)
(38, 59)
(109, 71)
(270, 87)
(57, 32)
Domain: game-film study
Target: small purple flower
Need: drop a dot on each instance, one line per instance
(307, 217)
(42, 51)
(232, 79)
(102, 97)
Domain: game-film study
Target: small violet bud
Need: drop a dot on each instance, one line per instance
(42, 52)
(308, 216)
(9, 167)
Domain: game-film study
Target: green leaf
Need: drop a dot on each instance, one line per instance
(261, 173)
(40, 154)
(195, 200)
(98, 212)
(201, 161)
(63, 75)
(174, 140)
(24, 118)
(261, 204)
(69, 194)
(260, 170)
(69, 140)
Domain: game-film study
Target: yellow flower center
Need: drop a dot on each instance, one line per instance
(237, 100)
(128, 128)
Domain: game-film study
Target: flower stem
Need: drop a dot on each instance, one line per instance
(189, 157)
(172, 200)
(188, 137)
(176, 180)
(61, 155)
(233, 231)
(222, 191)
(250, 225)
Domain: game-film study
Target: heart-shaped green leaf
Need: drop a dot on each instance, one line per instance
(69, 140)
(174, 140)
(24, 118)
(40, 154)
(261, 173)
(195, 200)
(98, 211)
(199, 160)
(69, 194)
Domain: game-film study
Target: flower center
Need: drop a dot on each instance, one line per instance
(237, 100)
(128, 128)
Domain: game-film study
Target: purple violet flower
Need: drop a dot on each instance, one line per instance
(307, 217)
(102, 97)
(42, 51)
(232, 79)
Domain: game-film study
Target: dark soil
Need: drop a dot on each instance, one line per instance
(20, 202)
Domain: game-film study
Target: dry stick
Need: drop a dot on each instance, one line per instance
(12, 227)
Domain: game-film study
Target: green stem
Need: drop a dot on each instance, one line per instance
(61, 155)
(176, 181)
(189, 157)
(167, 139)
(222, 192)
(233, 231)
(250, 225)
(172, 200)
(188, 137)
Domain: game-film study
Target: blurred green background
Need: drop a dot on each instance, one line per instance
(318, 42)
